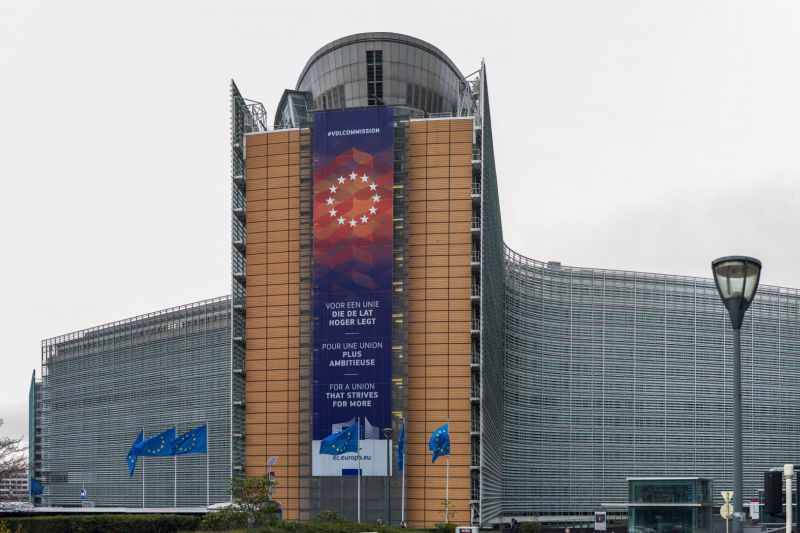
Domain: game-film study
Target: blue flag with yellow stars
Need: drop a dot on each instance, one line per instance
(133, 453)
(401, 447)
(37, 489)
(344, 441)
(440, 442)
(158, 445)
(193, 441)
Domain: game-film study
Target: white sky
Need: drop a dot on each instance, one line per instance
(639, 135)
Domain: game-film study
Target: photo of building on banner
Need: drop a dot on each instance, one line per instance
(352, 300)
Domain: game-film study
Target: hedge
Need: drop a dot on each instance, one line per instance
(102, 523)
(318, 526)
(133, 523)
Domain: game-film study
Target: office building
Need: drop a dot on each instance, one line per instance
(35, 433)
(613, 374)
(101, 386)
(14, 488)
(401, 305)
(428, 157)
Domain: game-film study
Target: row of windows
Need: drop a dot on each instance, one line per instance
(616, 374)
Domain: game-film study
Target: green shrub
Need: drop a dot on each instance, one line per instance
(529, 527)
(5, 529)
(318, 526)
(448, 527)
(102, 523)
(225, 519)
(330, 516)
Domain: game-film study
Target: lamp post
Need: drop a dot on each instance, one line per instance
(388, 432)
(736, 278)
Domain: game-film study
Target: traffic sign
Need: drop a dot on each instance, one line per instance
(726, 511)
(727, 495)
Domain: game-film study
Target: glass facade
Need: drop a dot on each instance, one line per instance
(487, 483)
(35, 432)
(670, 505)
(380, 69)
(611, 374)
(101, 386)
(247, 116)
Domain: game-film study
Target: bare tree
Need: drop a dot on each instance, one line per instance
(13, 458)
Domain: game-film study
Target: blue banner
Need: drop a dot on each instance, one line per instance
(352, 284)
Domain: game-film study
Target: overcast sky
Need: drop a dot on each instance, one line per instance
(635, 135)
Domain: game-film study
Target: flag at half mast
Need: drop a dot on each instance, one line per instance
(440, 442)
(341, 442)
(133, 453)
(193, 441)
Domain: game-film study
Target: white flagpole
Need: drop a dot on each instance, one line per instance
(208, 491)
(403, 489)
(142, 471)
(175, 476)
(447, 478)
(447, 489)
(358, 441)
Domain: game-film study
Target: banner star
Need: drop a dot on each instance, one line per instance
(373, 210)
(332, 189)
(353, 223)
(329, 201)
(376, 198)
(341, 179)
(364, 219)
(364, 178)
(340, 220)
(373, 186)
(332, 212)
(353, 176)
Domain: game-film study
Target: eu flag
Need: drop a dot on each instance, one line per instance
(401, 447)
(344, 441)
(193, 441)
(36, 488)
(440, 442)
(159, 445)
(133, 453)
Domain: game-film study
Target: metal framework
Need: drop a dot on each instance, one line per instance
(246, 116)
(611, 374)
(101, 386)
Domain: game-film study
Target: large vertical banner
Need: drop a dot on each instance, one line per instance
(352, 299)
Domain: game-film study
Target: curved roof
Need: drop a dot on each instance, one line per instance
(378, 37)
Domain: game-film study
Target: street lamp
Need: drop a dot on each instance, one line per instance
(388, 432)
(736, 278)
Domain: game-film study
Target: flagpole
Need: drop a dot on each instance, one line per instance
(447, 490)
(403, 489)
(447, 478)
(208, 491)
(142, 471)
(358, 446)
(175, 476)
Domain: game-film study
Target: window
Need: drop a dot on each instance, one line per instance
(375, 77)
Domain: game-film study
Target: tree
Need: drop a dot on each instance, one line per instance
(13, 459)
(253, 496)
